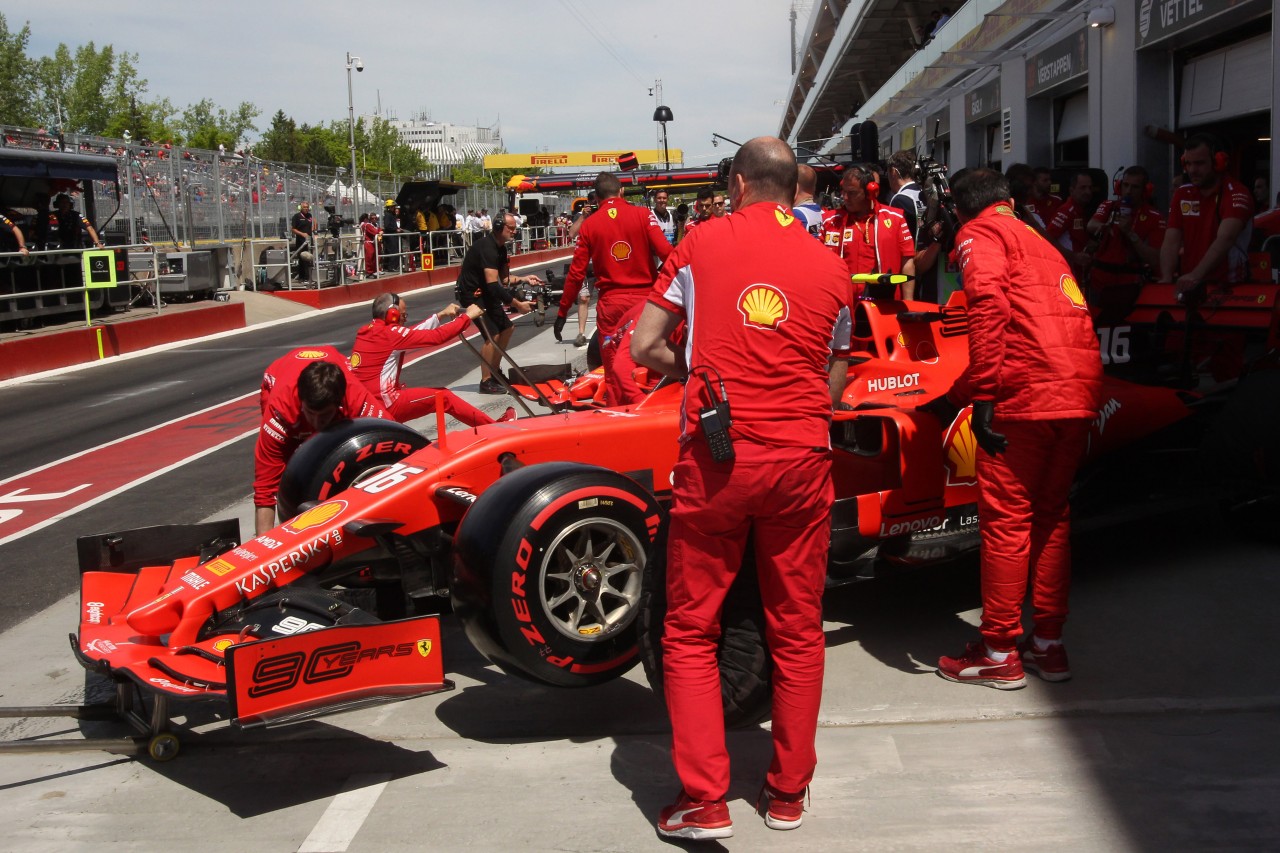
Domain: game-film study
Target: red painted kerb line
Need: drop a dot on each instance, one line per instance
(39, 497)
(45, 495)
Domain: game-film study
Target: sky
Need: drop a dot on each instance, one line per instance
(558, 75)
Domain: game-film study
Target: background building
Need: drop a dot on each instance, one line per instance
(446, 145)
(1059, 83)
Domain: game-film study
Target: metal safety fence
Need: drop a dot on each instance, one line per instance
(188, 196)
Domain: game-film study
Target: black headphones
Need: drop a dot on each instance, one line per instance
(394, 316)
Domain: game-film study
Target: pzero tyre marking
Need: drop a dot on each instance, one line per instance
(548, 571)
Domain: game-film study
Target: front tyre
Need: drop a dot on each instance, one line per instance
(548, 565)
(340, 456)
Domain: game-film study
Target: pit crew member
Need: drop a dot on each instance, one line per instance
(1034, 379)
(302, 392)
(1067, 225)
(378, 357)
(1209, 221)
(1129, 232)
(871, 237)
(1042, 201)
(760, 324)
(620, 242)
(483, 280)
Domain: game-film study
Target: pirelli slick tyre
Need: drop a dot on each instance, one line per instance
(746, 668)
(548, 566)
(341, 455)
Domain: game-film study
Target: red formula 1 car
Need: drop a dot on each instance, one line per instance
(540, 531)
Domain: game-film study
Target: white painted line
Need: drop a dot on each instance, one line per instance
(338, 826)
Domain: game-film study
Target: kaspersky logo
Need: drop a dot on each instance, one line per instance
(961, 452)
(1071, 290)
(763, 306)
(309, 354)
(315, 516)
(620, 250)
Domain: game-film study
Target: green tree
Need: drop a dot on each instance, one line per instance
(145, 120)
(85, 90)
(280, 142)
(17, 77)
(206, 125)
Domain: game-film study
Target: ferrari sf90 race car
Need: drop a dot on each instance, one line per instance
(540, 532)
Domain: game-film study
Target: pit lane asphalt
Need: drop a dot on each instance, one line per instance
(1168, 737)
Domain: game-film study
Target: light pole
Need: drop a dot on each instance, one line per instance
(662, 115)
(358, 64)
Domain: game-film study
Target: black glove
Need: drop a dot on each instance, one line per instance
(988, 439)
(558, 327)
(942, 409)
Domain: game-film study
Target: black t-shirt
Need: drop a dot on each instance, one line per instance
(472, 289)
(302, 222)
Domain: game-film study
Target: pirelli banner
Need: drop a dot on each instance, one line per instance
(1065, 60)
(599, 159)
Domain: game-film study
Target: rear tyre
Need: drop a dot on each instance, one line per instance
(746, 667)
(341, 456)
(548, 566)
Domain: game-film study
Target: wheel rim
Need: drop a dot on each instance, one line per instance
(591, 579)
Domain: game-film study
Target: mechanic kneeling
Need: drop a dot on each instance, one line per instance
(1035, 380)
(302, 393)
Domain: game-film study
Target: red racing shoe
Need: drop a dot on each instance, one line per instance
(696, 820)
(781, 811)
(975, 667)
(1050, 664)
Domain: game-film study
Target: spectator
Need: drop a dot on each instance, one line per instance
(378, 357)
(620, 245)
(665, 218)
(804, 208)
(1209, 221)
(483, 280)
(906, 192)
(1035, 380)
(302, 392)
(717, 206)
(775, 489)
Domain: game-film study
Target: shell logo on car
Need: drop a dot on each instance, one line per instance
(763, 306)
(316, 516)
(961, 453)
(1072, 291)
